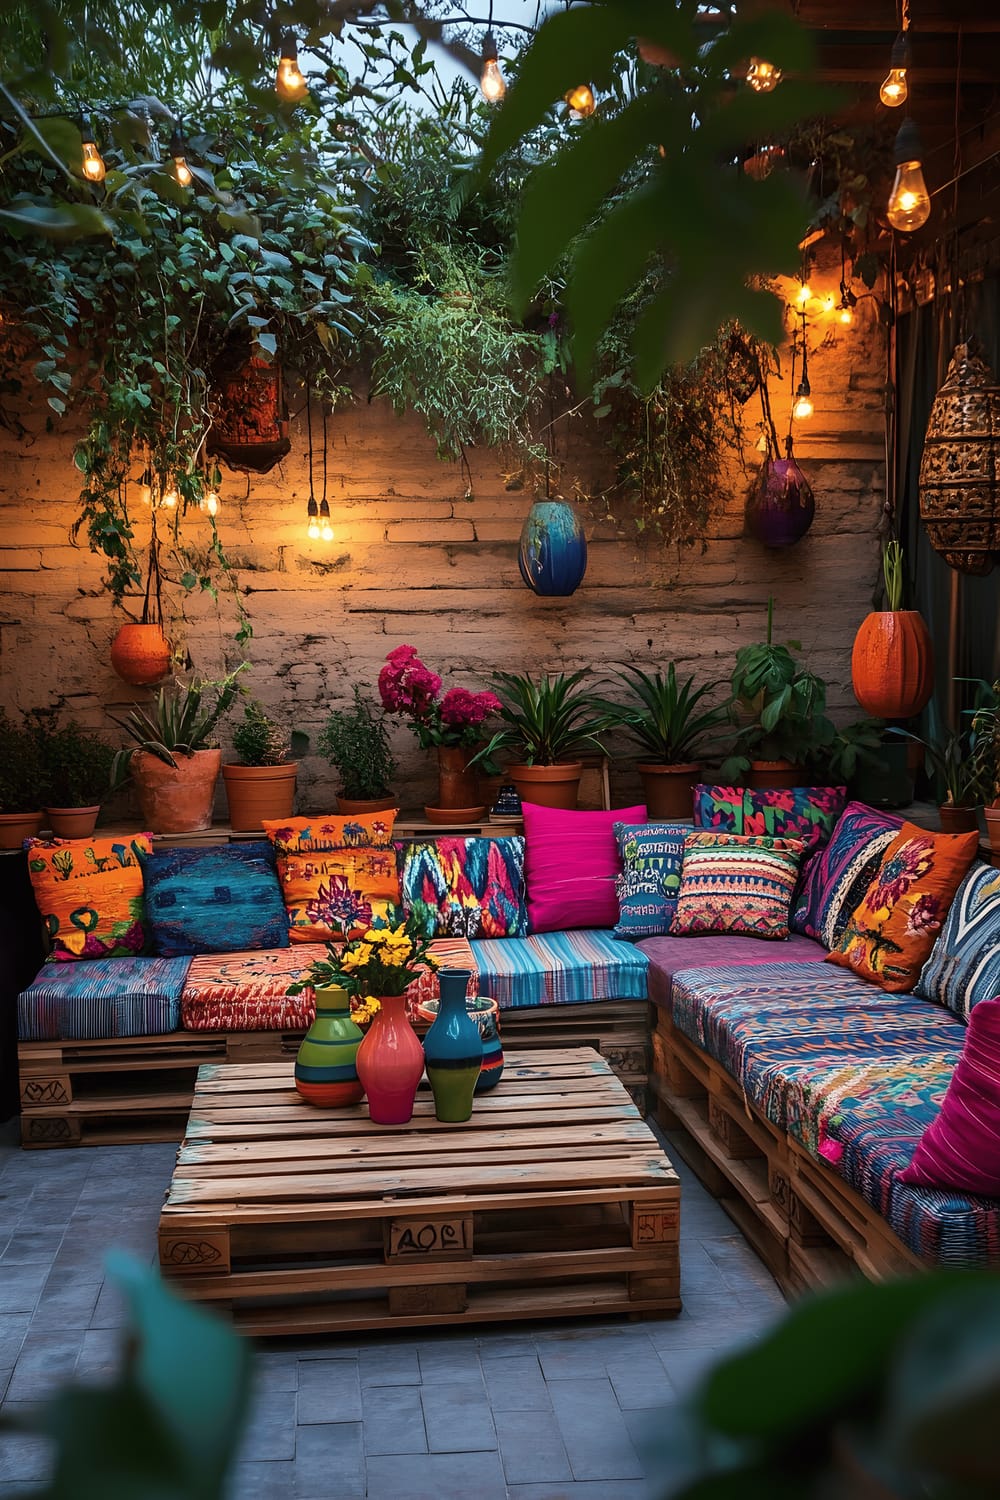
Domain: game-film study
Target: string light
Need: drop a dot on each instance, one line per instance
(909, 202)
(325, 529)
(178, 150)
(491, 79)
(803, 408)
(581, 101)
(146, 486)
(312, 511)
(92, 164)
(290, 84)
(803, 294)
(212, 503)
(763, 76)
(170, 497)
(894, 88)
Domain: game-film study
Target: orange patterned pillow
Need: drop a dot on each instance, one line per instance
(337, 874)
(890, 935)
(89, 892)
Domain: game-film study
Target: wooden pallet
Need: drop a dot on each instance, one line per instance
(808, 1226)
(128, 1089)
(553, 1200)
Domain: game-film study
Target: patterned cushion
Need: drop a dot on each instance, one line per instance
(736, 883)
(837, 878)
(89, 892)
(337, 874)
(892, 931)
(961, 1147)
(559, 968)
(671, 955)
(964, 966)
(651, 856)
(109, 997)
(807, 813)
(571, 864)
(220, 899)
(465, 887)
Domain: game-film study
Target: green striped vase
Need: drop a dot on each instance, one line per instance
(325, 1068)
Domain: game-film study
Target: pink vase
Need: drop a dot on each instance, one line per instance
(390, 1063)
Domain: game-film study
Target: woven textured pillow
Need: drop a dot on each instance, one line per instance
(89, 892)
(961, 1147)
(807, 813)
(651, 856)
(740, 883)
(891, 932)
(840, 874)
(465, 887)
(221, 899)
(571, 865)
(337, 874)
(964, 966)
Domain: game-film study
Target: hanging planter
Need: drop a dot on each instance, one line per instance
(892, 663)
(141, 653)
(780, 507)
(960, 468)
(553, 552)
(250, 430)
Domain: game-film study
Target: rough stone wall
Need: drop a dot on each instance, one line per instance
(417, 559)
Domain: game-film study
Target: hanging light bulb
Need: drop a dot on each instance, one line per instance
(803, 407)
(581, 101)
(909, 202)
(763, 444)
(325, 529)
(894, 89)
(845, 315)
(92, 165)
(170, 497)
(290, 84)
(803, 294)
(146, 486)
(491, 80)
(312, 511)
(763, 76)
(211, 499)
(178, 150)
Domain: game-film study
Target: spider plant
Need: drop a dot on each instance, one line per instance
(548, 721)
(182, 719)
(666, 717)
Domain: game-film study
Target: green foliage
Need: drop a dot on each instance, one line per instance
(782, 704)
(180, 721)
(892, 572)
(76, 766)
(666, 718)
(356, 741)
(548, 721)
(258, 740)
(22, 781)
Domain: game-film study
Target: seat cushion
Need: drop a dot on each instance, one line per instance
(89, 892)
(835, 880)
(964, 964)
(806, 813)
(337, 874)
(559, 968)
(221, 899)
(668, 955)
(465, 887)
(105, 998)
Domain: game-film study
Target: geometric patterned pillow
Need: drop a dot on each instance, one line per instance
(964, 966)
(465, 887)
(652, 855)
(835, 881)
(338, 874)
(799, 812)
(89, 892)
(737, 883)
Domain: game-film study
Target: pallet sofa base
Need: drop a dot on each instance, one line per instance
(127, 1090)
(810, 1229)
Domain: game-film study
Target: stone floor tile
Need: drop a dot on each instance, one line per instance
(270, 1430)
(21, 1287)
(110, 1311)
(32, 1246)
(577, 1358)
(639, 1381)
(275, 1370)
(393, 1420)
(329, 1391)
(458, 1418)
(23, 1455)
(602, 1489)
(6, 1371)
(13, 1328)
(66, 1306)
(48, 1358)
(595, 1434)
(329, 1464)
(531, 1446)
(516, 1384)
(506, 1346)
(686, 1368)
(390, 1364)
(100, 1353)
(450, 1360)
(262, 1481)
(434, 1476)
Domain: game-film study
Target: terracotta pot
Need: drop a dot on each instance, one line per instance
(668, 791)
(548, 786)
(16, 827)
(356, 806)
(768, 774)
(140, 654)
(957, 819)
(457, 783)
(176, 799)
(892, 664)
(72, 822)
(993, 827)
(258, 792)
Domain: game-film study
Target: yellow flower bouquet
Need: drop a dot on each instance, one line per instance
(385, 960)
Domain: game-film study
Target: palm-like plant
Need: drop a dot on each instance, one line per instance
(180, 721)
(549, 720)
(666, 717)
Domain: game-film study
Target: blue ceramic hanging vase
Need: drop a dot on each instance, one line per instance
(553, 551)
(453, 1050)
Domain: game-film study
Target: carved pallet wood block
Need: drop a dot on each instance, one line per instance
(553, 1200)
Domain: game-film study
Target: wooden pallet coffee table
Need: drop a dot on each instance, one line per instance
(554, 1200)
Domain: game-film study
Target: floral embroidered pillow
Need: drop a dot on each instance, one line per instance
(890, 934)
(337, 874)
(90, 895)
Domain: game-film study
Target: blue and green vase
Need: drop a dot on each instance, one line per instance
(485, 1011)
(453, 1050)
(326, 1066)
(552, 555)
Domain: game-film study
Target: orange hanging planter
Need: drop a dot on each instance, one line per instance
(140, 654)
(892, 664)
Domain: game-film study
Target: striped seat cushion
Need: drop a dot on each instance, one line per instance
(559, 968)
(104, 998)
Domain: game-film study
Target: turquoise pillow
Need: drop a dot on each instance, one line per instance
(221, 899)
(651, 856)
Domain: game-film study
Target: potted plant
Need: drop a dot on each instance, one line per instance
(985, 748)
(783, 710)
(892, 661)
(76, 774)
(668, 721)
(21, 783)
(174, 762)
(261, 784)
(355, 741)
(548, 722)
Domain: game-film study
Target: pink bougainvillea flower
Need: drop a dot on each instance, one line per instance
(405, 685)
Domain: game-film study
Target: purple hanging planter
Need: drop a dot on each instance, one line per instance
(780, 505)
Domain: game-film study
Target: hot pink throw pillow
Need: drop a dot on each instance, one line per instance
(571, 863)
(961, 1148)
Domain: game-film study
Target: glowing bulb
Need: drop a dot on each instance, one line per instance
(211, 500)
(581, 100)
(325, 529)
(803, 294)
(909, 202)
(846, 316)
(894, 91)
(491, 79)
(762, 443)
(178, 149)
(290, 84)
(92, 166)
(169, 498)
(146, 487)
(803, 407)
(312, 511)
(763, 76)
(312, 531)
(829, 302)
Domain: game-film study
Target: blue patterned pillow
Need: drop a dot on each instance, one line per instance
(964, 964)
(465, 887)
(221, 899)
(651, 855)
